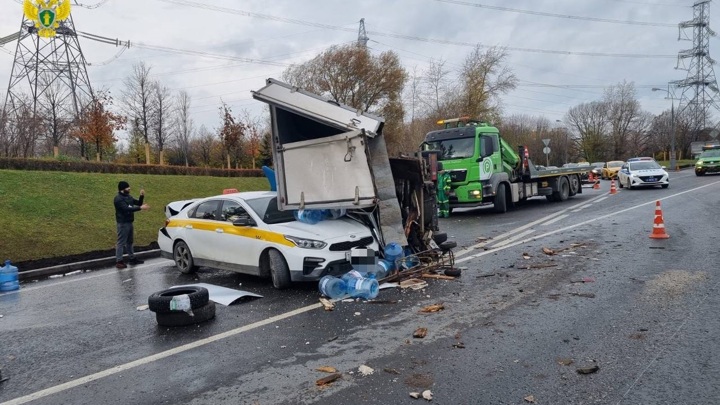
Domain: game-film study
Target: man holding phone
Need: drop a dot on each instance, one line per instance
(125, 207)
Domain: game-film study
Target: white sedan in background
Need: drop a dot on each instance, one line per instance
(245, 232)
(643, 172)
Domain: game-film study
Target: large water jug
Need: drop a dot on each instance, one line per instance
(332, 287)
(358, 286)
(393, 251)
(309, 216)
(382, 269)
(9, 277)
(335, 213)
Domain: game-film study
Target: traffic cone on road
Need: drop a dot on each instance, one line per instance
(658, 231)
(613, 190)
(591, 177)
(596, 186)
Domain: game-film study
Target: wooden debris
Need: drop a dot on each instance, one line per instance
(584, 295)
(329, 306)
(588, 370)
(327, 380)
(433, 308)
(414, 284)
(530, 399)
(548, 251)
(420, 333)
(565, 362)
(326, 369)
(438, 276)
(391, 371)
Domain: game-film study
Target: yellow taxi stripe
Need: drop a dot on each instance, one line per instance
(230, 229)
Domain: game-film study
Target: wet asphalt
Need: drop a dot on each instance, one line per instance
(512, 328)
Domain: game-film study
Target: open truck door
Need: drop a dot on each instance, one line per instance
(328, 155)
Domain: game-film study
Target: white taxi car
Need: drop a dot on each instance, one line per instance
(245, 232)
(643, 172)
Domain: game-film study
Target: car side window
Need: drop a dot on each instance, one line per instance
(232, 210)
(206, 210)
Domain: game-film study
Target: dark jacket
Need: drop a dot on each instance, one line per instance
(125, 207)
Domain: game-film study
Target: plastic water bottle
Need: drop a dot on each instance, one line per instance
(358, 286)
(332, 287)
(335, 213)
(393, 251)
(309, 216)
(9, 277)
(382, 269)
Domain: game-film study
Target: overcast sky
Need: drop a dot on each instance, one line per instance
(213, 40)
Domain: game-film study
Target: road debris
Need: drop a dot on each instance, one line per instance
(584, 295)
(332, 339)
(427, 394)
(530, 399)
(526, 256)
(365, 370)
(459, 345)
(72, 273)
(143, 307)
(588, 370)
(420, 333)
(327, 305)
(413, 283)
(433, 308)
(438, 276)
(382, 302)
(326, 369)
(565, 362)
(327, 380)
(415, 395)
(584, 280)
(548, 251)
(391, 371)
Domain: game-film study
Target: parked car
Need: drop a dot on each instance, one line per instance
(643, 172)
(610, 169)
(245, 232)
(708, 161)
(597, 168)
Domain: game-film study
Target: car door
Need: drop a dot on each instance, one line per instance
(199, 232)
(623, 174)
(238, 245)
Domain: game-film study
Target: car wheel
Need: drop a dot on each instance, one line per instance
(629, 184)
(279, 271)
(699, 173)
(620, 183)
(501, 199)
(183, 258)
(182, 318)
(159, 302)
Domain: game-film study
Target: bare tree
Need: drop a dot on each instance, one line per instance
(204, 146)
(590, 122)
(184, 125)
(55, 116)
(625, 117)
(161, 117)
(484, 77)
(137, 96)
(437, 87)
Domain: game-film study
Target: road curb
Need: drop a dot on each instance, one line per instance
(86, 265)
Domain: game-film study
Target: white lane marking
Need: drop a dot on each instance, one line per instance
(472, 248)
(601, 199)
(552, 221)
(155, 357)
(567, 228)
(514, 238)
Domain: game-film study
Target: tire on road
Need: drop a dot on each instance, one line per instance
(182, 318)
(500, 203)
(574, 184)
(183, 258)
(439, 237)
(279, 270)
(159, 302)
(563, 192)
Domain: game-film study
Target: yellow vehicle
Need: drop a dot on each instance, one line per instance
(610, 169)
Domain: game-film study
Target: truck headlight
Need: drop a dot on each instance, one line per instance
(475, 192)
(306, 243)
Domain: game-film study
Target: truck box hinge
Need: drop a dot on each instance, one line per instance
(302, 200)
(357, 196)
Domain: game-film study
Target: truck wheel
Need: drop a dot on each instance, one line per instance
(500, 199)
(279, 271)
(574, 185)
(563, 191)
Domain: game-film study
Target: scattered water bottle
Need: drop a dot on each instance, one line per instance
(309, 216)
(382, 269)
(335, 213)
(358, 286)
(332, 287)
(9, 277)
(393, 251)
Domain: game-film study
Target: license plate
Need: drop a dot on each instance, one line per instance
(650, 179)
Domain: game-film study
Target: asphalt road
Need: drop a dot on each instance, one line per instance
(516, 326)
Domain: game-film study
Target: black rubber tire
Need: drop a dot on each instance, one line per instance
(183, 258)
(454, 272)
(563, 192)
(160, 301)
(182, 318)
(500, 203)
(279, 271)
(620, 183)
(448, 245)
(439, 237)
(550, 197)
(629, 185)
(575, 184)
(664, 185)
(699, 174)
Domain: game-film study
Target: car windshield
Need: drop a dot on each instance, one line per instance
(267, 209)
(646, 165)
(454, 148)
(598, 164)
(615, 163)
(710, 153)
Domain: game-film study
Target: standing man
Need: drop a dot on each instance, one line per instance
(125, 207)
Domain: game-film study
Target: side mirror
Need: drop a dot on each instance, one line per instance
(244, 221)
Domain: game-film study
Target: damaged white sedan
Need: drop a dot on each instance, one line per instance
(245, 232)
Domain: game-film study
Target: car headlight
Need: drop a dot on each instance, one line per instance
(699, 164)
(306, 243)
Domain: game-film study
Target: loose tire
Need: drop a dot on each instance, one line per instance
(159, 302)
(182, 318)
(279, 271)
(439, 237)
(501, 199)
(183, 258)
(453, 272)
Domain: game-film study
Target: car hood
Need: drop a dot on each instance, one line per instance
(325, 230)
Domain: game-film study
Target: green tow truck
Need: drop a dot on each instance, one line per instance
(708, 161)
(484, 169)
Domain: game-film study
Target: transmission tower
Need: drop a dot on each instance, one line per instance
(49, 73)
(362, 35)
(699, 89)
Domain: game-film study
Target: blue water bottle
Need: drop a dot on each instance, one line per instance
(393, 251)
(382, 269)
(359, 286)
(332, 287)
(9, 277)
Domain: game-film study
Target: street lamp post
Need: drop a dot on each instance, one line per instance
(673, 162)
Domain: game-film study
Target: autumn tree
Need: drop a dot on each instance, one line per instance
(184, 125)
(266, 157)
(161, 107)
(55, 116)
(97, 124)
(483, 78)
(203, 146)
(137, 97)
(231, 134)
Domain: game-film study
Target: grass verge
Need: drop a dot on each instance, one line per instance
(55, 214)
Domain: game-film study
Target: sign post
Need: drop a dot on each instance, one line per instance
(546, 151)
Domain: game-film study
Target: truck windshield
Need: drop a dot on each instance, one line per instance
(710, 153)
(454, 148)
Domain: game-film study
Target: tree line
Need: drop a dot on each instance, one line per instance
(162, 131)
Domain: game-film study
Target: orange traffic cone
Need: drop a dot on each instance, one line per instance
(591, 177)
(613, 190)
(596, 186)
(658, 231)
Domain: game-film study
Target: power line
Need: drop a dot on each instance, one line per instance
(410, 37)
(567, 16)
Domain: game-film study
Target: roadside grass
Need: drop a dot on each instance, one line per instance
(53, 214)
(681, 163)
